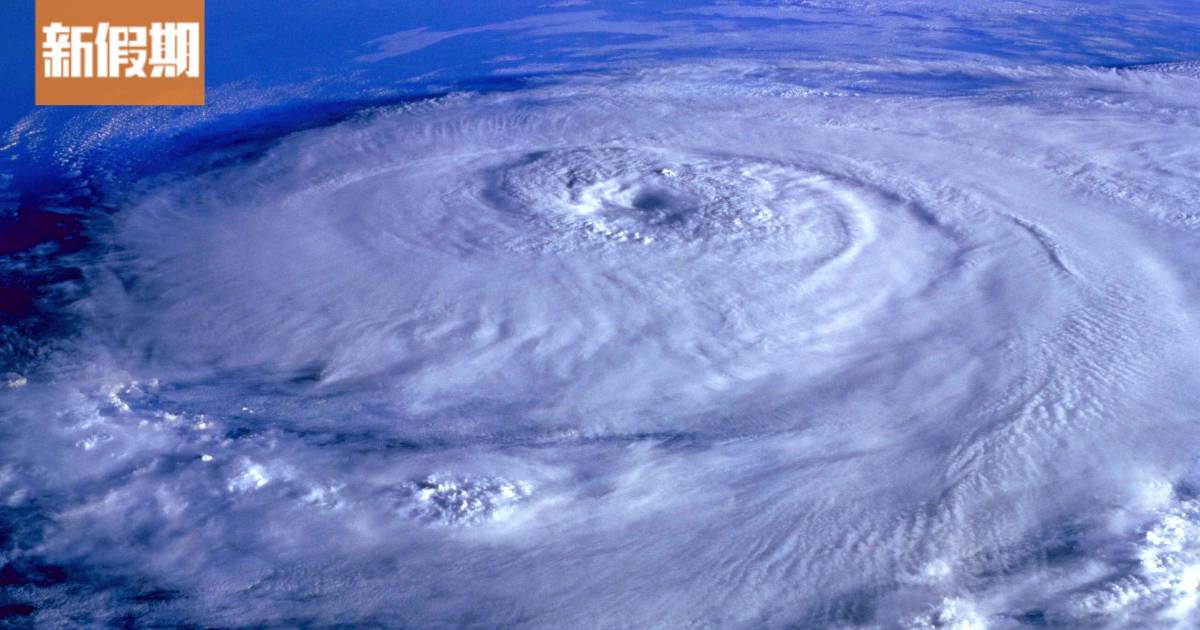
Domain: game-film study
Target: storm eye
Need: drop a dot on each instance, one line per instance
(651, 201)
(624, 195)
(663, 208)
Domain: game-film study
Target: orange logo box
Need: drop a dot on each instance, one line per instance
(120, 52)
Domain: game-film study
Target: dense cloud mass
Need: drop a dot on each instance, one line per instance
(820, 344)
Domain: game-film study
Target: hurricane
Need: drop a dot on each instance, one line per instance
(821, 340)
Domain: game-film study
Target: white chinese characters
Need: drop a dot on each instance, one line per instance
(164, 49)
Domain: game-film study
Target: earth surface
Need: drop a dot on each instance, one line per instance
(824, 314)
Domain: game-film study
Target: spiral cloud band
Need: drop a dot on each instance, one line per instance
(815, 344)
